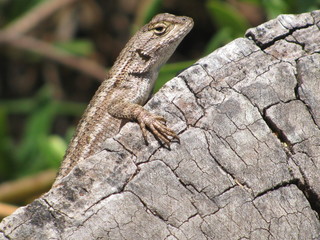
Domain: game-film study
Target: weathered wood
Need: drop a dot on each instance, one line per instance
(247, 166)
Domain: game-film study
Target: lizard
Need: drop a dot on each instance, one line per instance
(127, 87)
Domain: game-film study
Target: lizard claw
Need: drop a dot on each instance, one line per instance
(157, 125)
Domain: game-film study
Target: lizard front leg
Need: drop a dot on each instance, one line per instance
(156, 124)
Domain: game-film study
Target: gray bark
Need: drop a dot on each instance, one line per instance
(247, 166)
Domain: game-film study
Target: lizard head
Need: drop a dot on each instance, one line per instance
(162, 35)
(155, 42)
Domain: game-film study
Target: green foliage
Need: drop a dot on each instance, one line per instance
(6, 146)
(150, 9)
(226, 16)
(273, 8)
(78, 47)
(147, 10)
(18, 8)
(38, 148)
(53, 151)
(169, 71)
(232, 24)
(37, 129)
(222, 37)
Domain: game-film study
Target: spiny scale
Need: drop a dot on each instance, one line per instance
(127, 87)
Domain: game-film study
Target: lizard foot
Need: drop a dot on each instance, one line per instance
(157, 126)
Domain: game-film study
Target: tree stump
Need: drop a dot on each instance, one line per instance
(247, 166)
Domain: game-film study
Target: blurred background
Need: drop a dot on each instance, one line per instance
(55, 53)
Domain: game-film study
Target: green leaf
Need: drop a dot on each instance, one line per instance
(146, 11)
(225, 15)
(221, 38)
(274, 8)
(53, 150)
(169, 71)
(6, 147)
(18, 8)
(307, 5)
(151, 10)
(256, 2)
(79, 47)
(37, 128)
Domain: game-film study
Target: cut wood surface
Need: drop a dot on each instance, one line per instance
(247, 166)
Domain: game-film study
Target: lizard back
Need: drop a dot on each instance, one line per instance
(129, 84)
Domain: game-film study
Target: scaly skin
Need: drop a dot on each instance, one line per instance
(128, 87)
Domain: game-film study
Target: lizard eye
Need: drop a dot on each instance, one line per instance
(160, 29)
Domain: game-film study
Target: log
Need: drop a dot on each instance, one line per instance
(247, 166)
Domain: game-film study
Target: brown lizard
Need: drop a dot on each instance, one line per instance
(128, 86)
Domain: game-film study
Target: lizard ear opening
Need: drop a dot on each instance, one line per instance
(144, 56)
